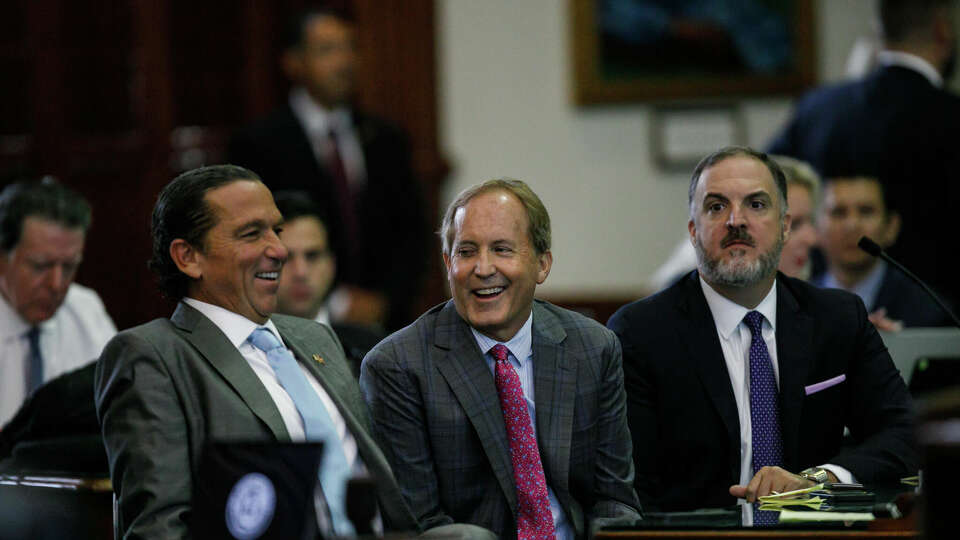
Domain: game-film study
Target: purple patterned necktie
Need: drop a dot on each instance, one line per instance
(534, 518)
(766, 442)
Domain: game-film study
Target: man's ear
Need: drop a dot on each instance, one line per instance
(546, 262)
(186, 257)
(891, 230)
(692, 228)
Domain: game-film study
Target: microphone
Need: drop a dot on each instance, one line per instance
(875, 250)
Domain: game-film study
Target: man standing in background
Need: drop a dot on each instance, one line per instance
(898, 125)
(356, 165)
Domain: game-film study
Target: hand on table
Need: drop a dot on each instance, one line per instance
(770, 479)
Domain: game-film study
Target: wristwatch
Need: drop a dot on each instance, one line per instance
(817, 475)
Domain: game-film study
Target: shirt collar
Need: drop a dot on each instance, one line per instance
(12, 326)
(236, 327)
(317, 119)
(913, 63)
(866, 289)
(323, 315)
(727, 314)
(520, 345)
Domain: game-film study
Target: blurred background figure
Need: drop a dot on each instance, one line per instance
(803, 193)
(356, 166)
(48, 323)
(307, 276)
(857, 207)
(898, 125)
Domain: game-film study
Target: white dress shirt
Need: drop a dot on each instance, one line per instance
(521, 347)
(238, 328)
(735, 337)
(74, 336)
(318, 122)
(911, 62)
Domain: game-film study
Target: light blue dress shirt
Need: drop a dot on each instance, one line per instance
(867, 289)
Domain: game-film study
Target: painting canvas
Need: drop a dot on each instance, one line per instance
(643, 50)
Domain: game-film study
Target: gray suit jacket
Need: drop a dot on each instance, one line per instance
(167, 388)
(437, 416)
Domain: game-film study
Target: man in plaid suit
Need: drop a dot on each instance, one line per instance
(495, 409)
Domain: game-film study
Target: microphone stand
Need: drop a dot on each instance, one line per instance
(874, 249)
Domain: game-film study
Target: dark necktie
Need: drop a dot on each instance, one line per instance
(346, 204)
(534, 518)
(317, 425)
(34, 374)
(766, 441)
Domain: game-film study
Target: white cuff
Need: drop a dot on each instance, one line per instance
(843, 476)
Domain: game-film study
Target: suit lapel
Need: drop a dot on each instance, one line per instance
(554, 392)
(337, 383)
(793, 357)
(699, 331)
(214, 346)
(327, 376)
(470, 380)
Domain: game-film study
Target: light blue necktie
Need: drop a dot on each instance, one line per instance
(35, 371)
(316, 423)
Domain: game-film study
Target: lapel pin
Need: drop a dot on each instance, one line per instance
(318, 358)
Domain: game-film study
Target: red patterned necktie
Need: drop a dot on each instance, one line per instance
(534, 518)
(346, 203)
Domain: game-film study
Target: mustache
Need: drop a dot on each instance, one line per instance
(738, 235)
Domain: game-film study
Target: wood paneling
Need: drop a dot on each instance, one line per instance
(115, 97)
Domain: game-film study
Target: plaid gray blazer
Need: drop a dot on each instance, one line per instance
(437, 417)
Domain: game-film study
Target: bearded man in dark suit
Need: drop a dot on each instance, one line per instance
(738, 377)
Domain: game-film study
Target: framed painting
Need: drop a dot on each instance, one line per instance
(665, 50)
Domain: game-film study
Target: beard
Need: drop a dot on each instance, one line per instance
(738, 271)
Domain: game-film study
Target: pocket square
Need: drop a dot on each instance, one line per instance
(823, 385)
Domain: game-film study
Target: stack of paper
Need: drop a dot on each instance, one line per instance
(814, 498)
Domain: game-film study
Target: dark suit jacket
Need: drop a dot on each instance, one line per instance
(389, 209)
(896, 126)
(167, 388)
(904, 301)
(437, 415)
(681, 406)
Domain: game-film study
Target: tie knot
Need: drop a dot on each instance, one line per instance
(754, 320)
(263, 339)
(499, 352)
(33, 334)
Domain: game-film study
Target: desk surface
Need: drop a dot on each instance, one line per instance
(750, 534)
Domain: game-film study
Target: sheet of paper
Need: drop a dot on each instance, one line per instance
(797, 493)
(794, 516)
